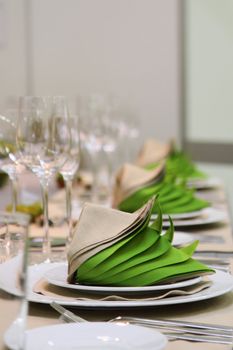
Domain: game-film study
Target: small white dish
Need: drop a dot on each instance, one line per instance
(92, 336)
(58, 277)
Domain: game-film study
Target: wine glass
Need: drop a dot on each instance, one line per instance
(8, 154)
(13, 265)
(99, 135)
(43, 141)
(69, 171)
(90, 109)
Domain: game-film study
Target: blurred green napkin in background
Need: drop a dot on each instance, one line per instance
(178, 163)
(134, 186)
(114, 248)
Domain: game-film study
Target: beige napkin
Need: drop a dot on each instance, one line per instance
(153, 151)
(98, 228)
(130, 177)
(44, 288)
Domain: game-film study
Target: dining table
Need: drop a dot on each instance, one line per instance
(215, 242)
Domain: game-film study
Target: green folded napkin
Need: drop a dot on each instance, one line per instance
(174, 198)
(181, 166)
(100, 227)
(178, 163)
(141, 258)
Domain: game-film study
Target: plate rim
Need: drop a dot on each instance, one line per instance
(159, 337)
(95, 289)
(207, 183)
(220, 216)
(212, 293)
(186, 215)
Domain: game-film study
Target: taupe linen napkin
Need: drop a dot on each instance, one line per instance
(130, 177)
(55, 292)
(152, 152)
(98, 228)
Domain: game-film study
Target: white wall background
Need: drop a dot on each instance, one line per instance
(209, 71)
(13, 72)
(123, 47)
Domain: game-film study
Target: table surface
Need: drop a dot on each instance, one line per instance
(217, 310)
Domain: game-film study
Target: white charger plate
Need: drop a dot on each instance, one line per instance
(208, 216)
(58, 277)
(91, 336)
(222, 283)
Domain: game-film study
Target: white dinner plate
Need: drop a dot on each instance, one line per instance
(208, 216)
(91, 336)
(191, 214)
(182, 238)
(222, 283)
(58, 277)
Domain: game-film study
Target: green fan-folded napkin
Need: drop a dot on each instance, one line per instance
(141, 257)
(178, 163)
(134, 186)
(100, 227)
(181, 165)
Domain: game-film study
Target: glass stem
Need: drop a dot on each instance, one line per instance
(14, 190)
(46, 248)
(95, 173)
(14, 194)
(110, 169)
(68, 186)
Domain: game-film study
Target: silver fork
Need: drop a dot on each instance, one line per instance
(173, 329)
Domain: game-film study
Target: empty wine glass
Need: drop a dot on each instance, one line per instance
(13, 265)
(43, 140)
(8, 154)
(90, 112)
(69, 171)
(99, 135)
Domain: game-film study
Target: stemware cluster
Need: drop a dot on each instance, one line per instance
(108, 135)
(42, 137)
(9, 157)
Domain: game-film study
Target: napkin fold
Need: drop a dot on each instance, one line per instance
(178, 163)
(153, 151)
(134, 186)
(130, 178)
(99, 227)
(129, 253)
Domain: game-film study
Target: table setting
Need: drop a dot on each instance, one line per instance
(148, 267)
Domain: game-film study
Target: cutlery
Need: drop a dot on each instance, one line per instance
(173, 329)
(66, 315)
(178, 323)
